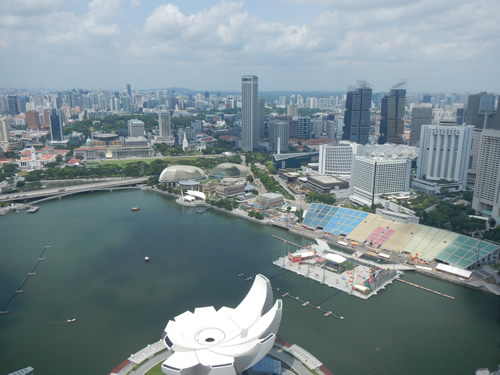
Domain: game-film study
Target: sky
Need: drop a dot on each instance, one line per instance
(291, 45)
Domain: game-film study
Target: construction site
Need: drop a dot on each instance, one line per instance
(351, 274)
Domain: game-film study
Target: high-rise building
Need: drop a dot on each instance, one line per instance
(419, 117)
(357, 115)
(164, 123)
(305, 128)
(279, 128)
(292, 110)
(32, 120)
(249, 112)
(481, 111)
(336, 159)
(443, 157)
(135, 128)
(4, 133)
(12, 103)
(56, 131)
(392, 116)
(373, 176)
(129, 90)
(262, 118)
(486, 198)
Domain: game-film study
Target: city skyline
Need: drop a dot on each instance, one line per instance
(290, 44)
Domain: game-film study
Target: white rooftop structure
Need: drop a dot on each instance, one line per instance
(225, 341)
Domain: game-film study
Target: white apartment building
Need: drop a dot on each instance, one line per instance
(486, 198)
(373, 176)
(135, 128)
(336, 159)
(444, 155)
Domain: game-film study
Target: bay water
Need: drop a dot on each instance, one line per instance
(95, 272)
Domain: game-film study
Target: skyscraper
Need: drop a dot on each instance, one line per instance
(305, 128)
(481, 111)
(56, 132)
(4, 133)
(279, 134)
(249, 112)
(135, 128)
(262, 118)
(486, 198)
(32, 120)
(419, 117)
(392, 115)
(357, 115)
(129, 90)
(373, 176)
(444, 154)
(164, 123)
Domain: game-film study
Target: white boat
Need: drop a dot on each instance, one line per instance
(72, 320)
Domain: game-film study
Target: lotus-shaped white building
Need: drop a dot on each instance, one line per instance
(225, 341)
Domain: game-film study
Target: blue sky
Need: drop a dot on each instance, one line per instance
(438, 46)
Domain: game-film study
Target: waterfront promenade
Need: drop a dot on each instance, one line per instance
(292, 356)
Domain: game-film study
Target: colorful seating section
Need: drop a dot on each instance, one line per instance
(425, 242)
(379, 236)
(464, 251)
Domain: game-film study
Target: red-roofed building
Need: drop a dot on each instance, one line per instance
(32, 159)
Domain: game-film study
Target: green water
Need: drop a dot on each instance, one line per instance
(95, 273)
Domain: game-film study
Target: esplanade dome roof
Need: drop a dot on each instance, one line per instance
(175, 173)
(230, 170)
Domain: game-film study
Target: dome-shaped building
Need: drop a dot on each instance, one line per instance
(229, 170)
(176, 173)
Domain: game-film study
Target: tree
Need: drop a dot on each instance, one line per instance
(20, 184)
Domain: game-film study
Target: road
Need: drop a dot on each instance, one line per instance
(29, 195)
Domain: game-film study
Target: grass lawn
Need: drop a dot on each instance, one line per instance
(156, 370)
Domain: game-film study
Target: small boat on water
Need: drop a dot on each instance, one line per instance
(146, 259)
(32, 209)
(135, 209)
(71, 320)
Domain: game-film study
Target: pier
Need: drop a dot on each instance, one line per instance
(426, 289)
(20, 287)
(289, 242)
(285, 294)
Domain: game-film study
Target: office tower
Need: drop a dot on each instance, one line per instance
(373, 176)
(129, 90)
(336, 159)
(207, 95)
(56, 131)
(249, 112)
(392, 115)
(262, 118)
(32, 120)
(135, 128)
(481, 111)
(427, 99)
(486, 198)
(317, 126)
(292, 110)
(282, 101)
(197, 125)
(419, 117)
(279, 135)
(45, 125)
(357, 115)
(460, 116)
(4, 133)
(305, 129)
(164, 124)
(443, 155)
(12, 103)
